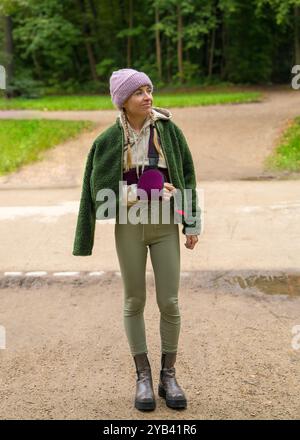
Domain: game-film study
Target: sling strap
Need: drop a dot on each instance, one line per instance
(152, 151)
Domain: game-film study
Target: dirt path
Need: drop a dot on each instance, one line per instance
(228, 142)
(67, 356)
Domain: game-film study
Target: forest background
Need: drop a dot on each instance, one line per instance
(72, 47)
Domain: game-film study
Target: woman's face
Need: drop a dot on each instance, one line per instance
(140, 102)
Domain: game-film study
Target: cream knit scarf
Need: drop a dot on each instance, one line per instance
(127, 137)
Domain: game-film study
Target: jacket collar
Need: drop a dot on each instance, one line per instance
(159, 113)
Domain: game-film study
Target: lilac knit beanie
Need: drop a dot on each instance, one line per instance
(124, 82)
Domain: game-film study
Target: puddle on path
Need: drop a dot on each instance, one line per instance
(269, 282)
(285, 284)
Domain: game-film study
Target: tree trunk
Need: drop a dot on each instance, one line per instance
(169, 62)
(211, 49)
(179, 44)
(37, 66)
(121, 5)
(206, 52)
(129, 38)
(76, 61)
(297, 34)
(8, 50)
(93, 9)
(95, 26)
(223, 48)
(92, 61)
(88, 46)
(158, 47)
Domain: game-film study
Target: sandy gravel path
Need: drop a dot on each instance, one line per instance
(67, 356)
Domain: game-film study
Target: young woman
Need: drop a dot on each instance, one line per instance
(143, 139)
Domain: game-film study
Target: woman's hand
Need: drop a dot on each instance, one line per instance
(191, 241)
(169, 190)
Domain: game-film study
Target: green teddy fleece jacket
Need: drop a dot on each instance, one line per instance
(104, 169)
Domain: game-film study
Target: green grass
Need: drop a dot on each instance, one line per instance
(287, 154)
(103, 102)
(23, 141)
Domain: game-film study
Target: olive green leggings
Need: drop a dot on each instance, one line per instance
(132, 241)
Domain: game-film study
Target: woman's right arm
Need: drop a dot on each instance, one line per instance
(85, 229)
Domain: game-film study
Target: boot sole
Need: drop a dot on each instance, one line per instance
(171, 403)
(145, 406)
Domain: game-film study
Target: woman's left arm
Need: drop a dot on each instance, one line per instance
(191, 230)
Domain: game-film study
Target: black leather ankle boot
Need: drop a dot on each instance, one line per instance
(168, 387)
(144, 398)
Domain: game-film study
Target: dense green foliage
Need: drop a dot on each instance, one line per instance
(50, 46)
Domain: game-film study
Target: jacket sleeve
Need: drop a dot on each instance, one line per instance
(193, 208)
(85, 229)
